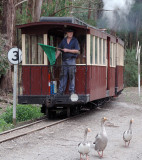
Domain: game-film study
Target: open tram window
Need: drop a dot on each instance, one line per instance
(33, 52)
(114, 55)
(104, 51)
(81, 59)
(100, 51)
(120, 56)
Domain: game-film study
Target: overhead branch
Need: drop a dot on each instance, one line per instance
(20, 3)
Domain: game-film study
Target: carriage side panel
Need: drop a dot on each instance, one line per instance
(97, 81)
(112, 82)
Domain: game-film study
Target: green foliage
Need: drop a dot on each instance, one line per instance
(23, 113)
(3, 65)
(51, 9)
(131, 68)
(21, 15)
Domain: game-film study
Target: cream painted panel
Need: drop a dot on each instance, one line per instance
(88, 49)
(102, 51)
(45, 42)
(98, 50)
(23, 49)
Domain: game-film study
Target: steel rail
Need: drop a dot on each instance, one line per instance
(34, 130)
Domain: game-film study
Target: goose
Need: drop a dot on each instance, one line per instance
(127, 135)
(101, 139)
(84, 147)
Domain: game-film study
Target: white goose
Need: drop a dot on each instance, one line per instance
(101, 139)
(84, 147)
(127, 135)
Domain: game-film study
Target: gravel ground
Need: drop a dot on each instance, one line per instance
(60, 142)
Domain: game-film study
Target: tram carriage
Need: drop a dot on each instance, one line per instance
(99, 66)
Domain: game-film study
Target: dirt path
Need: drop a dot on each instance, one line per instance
(60, 142)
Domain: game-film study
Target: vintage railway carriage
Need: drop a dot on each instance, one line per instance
(99, 66)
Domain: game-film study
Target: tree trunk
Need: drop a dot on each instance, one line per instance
(34, 10)
(29, 10)
(6, 80)
(89, 11)
(37, 10)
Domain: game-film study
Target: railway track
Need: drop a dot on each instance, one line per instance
(32, 127)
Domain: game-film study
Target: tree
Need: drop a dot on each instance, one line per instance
(9, 22)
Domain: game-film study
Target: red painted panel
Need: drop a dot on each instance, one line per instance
(89, 80)
(36, 80)
(119, 79)
(96, 82)
(80, 80)
(26, 80)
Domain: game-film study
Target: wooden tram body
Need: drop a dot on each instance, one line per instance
(99, 68)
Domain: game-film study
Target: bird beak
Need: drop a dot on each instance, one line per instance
(89, 130)
(105, 119)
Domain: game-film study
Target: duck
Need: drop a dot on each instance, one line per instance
(101, 139)
(127, 135)
(84, 147)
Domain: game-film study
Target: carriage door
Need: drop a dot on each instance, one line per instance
(108, 64)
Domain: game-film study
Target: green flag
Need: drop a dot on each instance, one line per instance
(50, 52)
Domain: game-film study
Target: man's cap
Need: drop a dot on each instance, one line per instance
(69, 30)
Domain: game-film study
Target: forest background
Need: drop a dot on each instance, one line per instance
(121, 18)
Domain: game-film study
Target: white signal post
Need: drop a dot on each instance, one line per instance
(138, 57)
(15, 57)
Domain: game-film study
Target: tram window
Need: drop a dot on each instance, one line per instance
(100, 51)
(118, 54)
(91, 50)
(40, 52)
(96, 50)
(33, 52)
(104, 51)
(121, 55)
(81, 58)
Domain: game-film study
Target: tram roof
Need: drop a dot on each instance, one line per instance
(72, 21)
(63, 22)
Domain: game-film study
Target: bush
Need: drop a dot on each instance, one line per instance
(4, 126)
(23, 113)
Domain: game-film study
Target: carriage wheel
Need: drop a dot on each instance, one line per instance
(43, 109)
